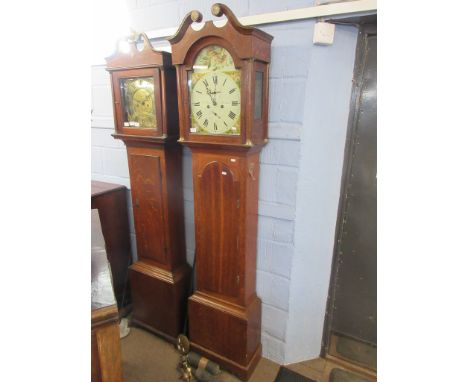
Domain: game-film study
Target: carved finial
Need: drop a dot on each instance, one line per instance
(216, 10)
(146, 42)
(219, 10)
(196, 16)
(191, 17)
(127, 45)
(132, 40)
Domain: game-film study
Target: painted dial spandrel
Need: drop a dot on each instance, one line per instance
(215, 94)
(138, 102)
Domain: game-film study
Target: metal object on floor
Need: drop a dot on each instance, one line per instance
(286, 375)
(199, 362)
(183, 346)
(203, 376)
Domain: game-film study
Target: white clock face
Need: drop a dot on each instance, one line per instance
(216, 103)
(215, 94)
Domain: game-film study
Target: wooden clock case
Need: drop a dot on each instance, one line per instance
(160, 278)
(225, 311)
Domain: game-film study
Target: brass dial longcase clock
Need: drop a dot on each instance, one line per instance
(145, 112)
(222, 76)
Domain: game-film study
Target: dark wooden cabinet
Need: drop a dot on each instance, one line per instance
(145, 114)
(105, 335)
(160, 278)
(111, 202)
(223, 112)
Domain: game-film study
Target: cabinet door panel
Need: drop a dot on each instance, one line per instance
(148, 211)
(218, 230)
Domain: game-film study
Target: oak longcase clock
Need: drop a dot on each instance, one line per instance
(146, 119)
(222, 77)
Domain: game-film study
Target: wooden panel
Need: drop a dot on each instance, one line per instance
(231, 346)
(95, 368)
(160, 298)
(105, 336)
(233, 336)
(108, 349)
(145, 177)
(111, 201)
(218, 222)
(161, 276)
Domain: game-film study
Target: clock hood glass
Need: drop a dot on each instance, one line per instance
(215, 95)
(138, 102)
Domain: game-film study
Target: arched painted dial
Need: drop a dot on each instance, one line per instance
(216, 103)
(215, 95)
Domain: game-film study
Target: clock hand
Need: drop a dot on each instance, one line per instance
(216, 114)
(213, 100)
(211, 96)
(210, 93)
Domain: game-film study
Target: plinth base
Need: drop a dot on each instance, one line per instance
(226, 333)
(241, 371)
(159, 298)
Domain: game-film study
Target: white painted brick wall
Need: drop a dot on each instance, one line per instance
(286, 183)
(115, 162)
(96, 160)
(278, 230)
(284, 130)
(292, 53)
(155, 16)
(273, 348)
(273, 289)
(278, 184)
(281, 152)
(274, 257)
(102, 139)
(274, 321)
(102, 105)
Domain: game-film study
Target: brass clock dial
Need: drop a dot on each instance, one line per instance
(138, 102)
(215, 95)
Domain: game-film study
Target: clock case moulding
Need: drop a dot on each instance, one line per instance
(160, 279)
(225, 312)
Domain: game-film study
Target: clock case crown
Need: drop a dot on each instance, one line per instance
(140, 63)
(250, 51)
